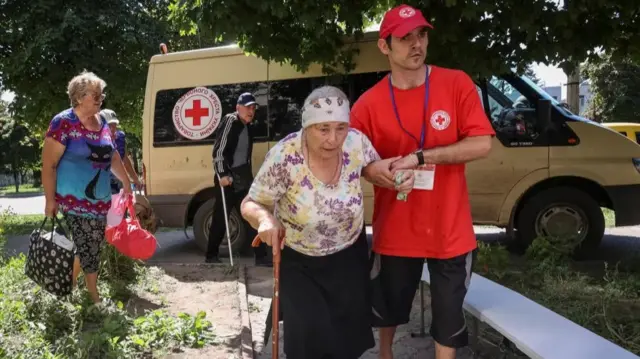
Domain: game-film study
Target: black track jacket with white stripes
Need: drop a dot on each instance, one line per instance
(232, 145)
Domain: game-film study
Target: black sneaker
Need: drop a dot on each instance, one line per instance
(213, 260)
(264, 262)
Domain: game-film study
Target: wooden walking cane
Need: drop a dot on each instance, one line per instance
(275, 301)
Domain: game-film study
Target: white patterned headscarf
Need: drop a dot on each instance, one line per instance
(325, 104)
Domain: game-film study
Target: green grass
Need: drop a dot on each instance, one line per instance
(35, 324)
(9, 191)
(14, 225)
(602, 297)
(609, 217)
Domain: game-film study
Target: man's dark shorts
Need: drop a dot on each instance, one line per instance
(395, 281)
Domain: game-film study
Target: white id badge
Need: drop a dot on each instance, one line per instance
(424, 176)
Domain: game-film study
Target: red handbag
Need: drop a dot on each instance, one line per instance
(129, 238)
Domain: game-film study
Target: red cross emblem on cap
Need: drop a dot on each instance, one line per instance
(406, 12)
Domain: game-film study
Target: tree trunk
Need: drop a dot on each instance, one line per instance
(16, 176)
(573, 91)
(37, 180)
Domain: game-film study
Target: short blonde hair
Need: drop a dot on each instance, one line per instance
(80, 84)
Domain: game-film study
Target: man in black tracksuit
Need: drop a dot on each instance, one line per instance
(232, 164)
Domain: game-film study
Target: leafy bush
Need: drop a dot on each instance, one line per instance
(551, 250)
(3, 238)
(491, 259)
(35, 324)
(14, 224)
(602, 298)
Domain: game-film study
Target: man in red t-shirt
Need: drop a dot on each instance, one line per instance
(434, 118)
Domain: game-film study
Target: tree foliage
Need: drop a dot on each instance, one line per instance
(531, 74)
(19, 149)
(44, 43)
(615, 88)
(478, 36)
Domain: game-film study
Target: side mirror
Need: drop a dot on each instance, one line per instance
(544, 113)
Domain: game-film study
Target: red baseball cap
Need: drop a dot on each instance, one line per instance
(401, 20)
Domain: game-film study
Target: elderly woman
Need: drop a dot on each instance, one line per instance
(77, 156)
(309, 188)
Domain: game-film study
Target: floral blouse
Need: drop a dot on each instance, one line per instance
(319, 219)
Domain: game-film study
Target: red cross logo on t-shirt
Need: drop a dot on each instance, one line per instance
(440, 120)
(197, 113)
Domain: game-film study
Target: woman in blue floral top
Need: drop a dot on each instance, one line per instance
(309, 188)
(77, 158)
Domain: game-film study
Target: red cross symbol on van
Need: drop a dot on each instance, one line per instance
(197, 113)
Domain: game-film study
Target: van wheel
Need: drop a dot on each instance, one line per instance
(561, 212)
(202, 223)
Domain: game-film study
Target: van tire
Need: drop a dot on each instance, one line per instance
(570, 201)
(202, 220)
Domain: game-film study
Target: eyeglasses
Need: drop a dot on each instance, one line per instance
(98, 97)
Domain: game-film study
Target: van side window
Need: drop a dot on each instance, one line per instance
(165, 133)
(286, 97)
(360, 83)
(513, 115)
(638, 137)
(285, 106)
(624, 133)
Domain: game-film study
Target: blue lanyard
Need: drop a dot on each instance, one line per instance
(424, 110)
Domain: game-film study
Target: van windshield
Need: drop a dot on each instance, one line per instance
(546, 96)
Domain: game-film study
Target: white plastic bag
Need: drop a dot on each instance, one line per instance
(59, 239)
(118, 207)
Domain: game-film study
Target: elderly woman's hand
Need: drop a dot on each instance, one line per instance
(271, 232)
(407, 182)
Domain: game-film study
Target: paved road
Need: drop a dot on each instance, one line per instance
(618, 243)
(173, 246)
(29, 204)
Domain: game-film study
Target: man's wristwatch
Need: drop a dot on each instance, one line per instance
(420, 156)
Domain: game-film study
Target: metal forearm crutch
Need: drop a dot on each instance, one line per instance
(275, 301)
(226, 218)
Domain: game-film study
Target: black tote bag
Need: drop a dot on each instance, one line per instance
(50, 259)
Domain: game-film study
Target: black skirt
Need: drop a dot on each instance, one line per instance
(325, 302)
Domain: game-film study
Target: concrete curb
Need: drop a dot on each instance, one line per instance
(22, 195)
(246, 338)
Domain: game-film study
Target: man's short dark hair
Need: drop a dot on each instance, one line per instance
(388, 40)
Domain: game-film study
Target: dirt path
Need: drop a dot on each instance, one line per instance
(193, 288)
(259, 284)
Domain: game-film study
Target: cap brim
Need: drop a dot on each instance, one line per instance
(248, 103)
(408, 26)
